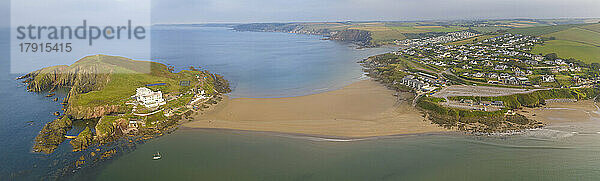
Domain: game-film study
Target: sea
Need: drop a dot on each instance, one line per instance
(268, 64)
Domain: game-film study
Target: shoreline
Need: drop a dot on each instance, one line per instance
(564, 112)
(362, 109)
(317, 137)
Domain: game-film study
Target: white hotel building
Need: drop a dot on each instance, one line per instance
(149, 98)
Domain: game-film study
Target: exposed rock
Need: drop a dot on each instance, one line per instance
(359, 37)
(80, 112)
(221, 84)
(109, 128)
(52, 135)
(83, 140)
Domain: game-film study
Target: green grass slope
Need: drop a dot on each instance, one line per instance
(542, 30)
(102, 84)
(580, 42)
(577, 35)
(569, 49)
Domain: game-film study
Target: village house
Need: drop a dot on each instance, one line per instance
(547, 78)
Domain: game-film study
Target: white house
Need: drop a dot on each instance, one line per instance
(547, 78)
(149, 98)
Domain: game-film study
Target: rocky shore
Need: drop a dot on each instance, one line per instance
(52, 135)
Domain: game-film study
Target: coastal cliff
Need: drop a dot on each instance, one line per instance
(100, 89)
(90, 112)
(359, 37)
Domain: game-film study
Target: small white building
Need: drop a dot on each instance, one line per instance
(547, 78)
(149, 98)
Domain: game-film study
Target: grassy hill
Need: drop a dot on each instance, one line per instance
(541, 30)
(570, 49)
(577, 35)
(580, 42)
(593, 27)
(99, 87)
(101, 84)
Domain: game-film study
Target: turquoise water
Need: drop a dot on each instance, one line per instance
(279, 65)
(553, 154)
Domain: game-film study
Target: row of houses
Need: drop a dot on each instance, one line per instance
(413, 82)
(482, 103)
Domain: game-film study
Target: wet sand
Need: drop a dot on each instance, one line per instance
(362, 109)
(565, 112)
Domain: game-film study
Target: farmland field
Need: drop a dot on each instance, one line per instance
(381, 34)
(577, 35)
(569, 49)
(390, 35)
(594, 27)
(488, 29)
(425, 29)
(541, 30)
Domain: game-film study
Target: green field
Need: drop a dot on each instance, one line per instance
(577, 35)
(541, 30)
(489, 29)
(386, 36)
(569, 49)
(425, 29)
(593, 27)
(578, 41)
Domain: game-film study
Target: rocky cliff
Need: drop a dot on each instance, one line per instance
(359, 37)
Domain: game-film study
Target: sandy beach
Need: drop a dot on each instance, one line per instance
(362, 109)
(564, 112)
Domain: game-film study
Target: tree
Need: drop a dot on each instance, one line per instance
(551, 56)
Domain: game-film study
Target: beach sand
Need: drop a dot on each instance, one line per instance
(568, 112)
(362, 109)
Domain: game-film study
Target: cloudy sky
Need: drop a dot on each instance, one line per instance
(207, 11)
(203, 11)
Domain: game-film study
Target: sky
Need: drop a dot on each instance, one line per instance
(244, 11)
(210, 11)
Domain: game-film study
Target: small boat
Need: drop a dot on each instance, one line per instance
(156, 156)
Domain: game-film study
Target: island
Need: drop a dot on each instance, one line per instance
(121, 97)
